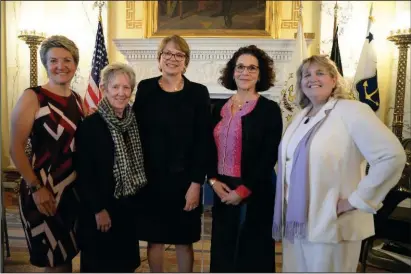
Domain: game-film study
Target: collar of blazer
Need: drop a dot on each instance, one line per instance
(298, 118)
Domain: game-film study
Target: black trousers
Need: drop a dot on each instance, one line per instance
(241, 235)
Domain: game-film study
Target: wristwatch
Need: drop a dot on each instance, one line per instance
(37, 186)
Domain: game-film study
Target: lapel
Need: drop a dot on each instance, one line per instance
(323, 111)
(290, 131)
(297, 121)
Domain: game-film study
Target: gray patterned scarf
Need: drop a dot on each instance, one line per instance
(128, 167)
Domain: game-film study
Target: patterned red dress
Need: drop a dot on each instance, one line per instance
(51, 240)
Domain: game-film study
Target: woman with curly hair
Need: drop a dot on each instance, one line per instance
(247, 131)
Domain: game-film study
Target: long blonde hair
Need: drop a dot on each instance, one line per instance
(340, 91)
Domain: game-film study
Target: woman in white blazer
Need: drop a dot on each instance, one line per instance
(324, 202)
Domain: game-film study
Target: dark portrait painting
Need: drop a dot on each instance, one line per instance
(211, 18)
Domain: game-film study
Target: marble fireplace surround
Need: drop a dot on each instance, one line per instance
(208, 57)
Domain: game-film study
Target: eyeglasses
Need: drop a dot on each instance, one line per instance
(250, 69)
(177, 56)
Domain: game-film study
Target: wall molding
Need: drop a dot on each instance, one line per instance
(292, 23)
(208, 57)
(131, 21)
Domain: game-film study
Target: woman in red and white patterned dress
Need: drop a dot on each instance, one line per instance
(48, 115)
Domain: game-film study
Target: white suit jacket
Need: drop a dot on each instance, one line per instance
(351, 134)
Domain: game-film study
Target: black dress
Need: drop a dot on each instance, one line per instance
(116, 250)
(241, 238)
(174, 129)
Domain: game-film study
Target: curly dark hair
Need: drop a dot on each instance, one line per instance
(265, 64)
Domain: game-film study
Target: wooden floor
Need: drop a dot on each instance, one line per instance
(19, 259)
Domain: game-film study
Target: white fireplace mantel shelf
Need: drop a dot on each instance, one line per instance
(208, 57)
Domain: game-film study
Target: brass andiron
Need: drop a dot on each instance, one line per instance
(402, 39)
(33, 40)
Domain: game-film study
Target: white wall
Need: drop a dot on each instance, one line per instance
(78, 21)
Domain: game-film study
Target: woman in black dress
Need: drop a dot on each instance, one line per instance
(111, 171)
(173, 115)
(247, 132)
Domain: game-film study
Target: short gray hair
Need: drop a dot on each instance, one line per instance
(341, 90)
(113, 69)
(58, 41)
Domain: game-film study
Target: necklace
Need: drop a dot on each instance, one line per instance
(175, 88)
(311, 113)
(238, 103)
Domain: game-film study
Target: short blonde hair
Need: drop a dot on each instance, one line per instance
(340, 91)
(58, 41)
(181, 44)
(111, 70)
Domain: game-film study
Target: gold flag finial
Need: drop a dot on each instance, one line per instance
(335, 17)
(100, 5)
(372, 19)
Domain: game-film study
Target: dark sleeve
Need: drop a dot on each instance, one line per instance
(139, 98)
(212, 153)
(202, 129)
(91, 189)
(264, 167)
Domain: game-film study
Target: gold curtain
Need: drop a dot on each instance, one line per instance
(5, 132)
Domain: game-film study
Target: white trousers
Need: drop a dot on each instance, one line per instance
(304, 256)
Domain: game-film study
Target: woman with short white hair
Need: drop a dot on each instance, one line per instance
(111, 172)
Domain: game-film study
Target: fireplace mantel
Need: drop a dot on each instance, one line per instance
(208, 57)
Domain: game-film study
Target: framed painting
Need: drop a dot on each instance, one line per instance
(211, 18)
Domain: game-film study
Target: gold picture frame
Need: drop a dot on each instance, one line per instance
(271, 30)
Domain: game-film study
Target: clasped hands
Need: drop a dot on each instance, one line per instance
(226, 194)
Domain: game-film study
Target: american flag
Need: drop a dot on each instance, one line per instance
(100, 60)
